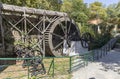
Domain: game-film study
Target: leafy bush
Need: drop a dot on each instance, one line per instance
(85, 28)
(101, 40)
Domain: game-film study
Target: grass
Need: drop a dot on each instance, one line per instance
(61, 67)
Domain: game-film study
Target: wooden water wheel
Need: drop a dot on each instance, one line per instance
(49, 28)
(61, 30)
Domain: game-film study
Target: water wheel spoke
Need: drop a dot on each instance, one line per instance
(58, 45)
(66, 27)
(62, 27)
(57, 35)
(69, 27)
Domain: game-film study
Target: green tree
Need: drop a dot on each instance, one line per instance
(77, 9)
(97, 10)
(43, 4)
(113, 18)
(67, 6)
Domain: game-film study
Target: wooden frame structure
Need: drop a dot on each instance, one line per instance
(23, 24)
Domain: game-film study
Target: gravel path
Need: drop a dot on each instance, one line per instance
(106, 68)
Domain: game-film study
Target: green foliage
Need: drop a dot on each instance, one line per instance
(33, 77)
(86, 28)
(76, 9)
(113, 12)
(79, 17)
(13, 2)
(43, 4)
(97, 10)
(66, 7)
(100, 41)
(118, 41)
(27, 44)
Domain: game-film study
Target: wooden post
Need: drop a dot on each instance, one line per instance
(2, 35)
(44, 35)
(25, 27)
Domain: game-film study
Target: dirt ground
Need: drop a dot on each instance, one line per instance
(107, 67)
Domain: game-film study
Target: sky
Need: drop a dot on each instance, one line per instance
(105, 2)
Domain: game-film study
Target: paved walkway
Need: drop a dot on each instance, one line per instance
(106, 68)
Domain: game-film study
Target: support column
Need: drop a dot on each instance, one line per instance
(2, 35)
(44, 36)
(25, 27)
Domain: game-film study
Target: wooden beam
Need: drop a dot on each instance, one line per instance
(18, 9)
(2, 35)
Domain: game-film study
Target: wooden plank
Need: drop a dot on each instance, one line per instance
(18, 9)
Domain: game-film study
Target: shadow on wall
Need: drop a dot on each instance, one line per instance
(8, 39)
(6, 30)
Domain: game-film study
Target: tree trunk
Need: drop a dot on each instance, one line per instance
(98, 29)
(115, 28)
